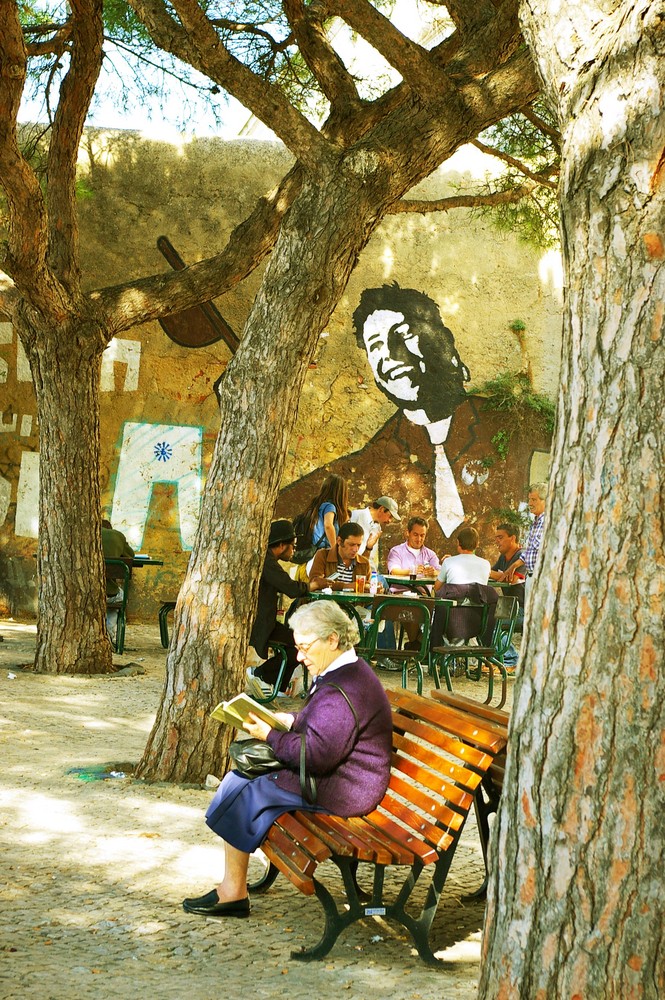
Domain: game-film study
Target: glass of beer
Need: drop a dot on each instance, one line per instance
(360, 584)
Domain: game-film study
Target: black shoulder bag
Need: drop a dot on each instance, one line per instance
(252, 757)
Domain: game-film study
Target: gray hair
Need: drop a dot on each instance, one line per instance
(323, 619)
(540, 489)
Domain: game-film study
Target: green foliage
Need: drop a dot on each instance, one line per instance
(517, 325)
(507, 515)
(533, 141)
(512, 393)
(83, 189)
(135, 73)
(501, 442)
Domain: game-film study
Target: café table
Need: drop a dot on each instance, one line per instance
(347, 599)
(424, 582)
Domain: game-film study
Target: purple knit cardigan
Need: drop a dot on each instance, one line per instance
(351, 764)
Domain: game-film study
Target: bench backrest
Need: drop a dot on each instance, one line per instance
(439, 759)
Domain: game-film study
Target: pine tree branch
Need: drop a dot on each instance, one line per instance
(552, 133)
(334, 79)
(76, 91)
(470, 53)
(492, 200)
(25, 257)
(195, 40)
(540, 176)
(170, 292)
(412, 61)
(468, 17)
(55, 45)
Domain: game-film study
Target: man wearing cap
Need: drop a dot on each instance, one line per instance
(372, 519)
(275, 580)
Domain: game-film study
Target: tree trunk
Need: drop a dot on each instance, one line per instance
(327, 226)
(66, 367)
(576, 904)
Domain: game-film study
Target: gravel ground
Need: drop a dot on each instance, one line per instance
(95, 870)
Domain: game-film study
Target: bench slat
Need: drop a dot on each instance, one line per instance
(303, 834)
(479, 734)
(286, 865)
(425, 829)
(281, 841)
(467, 752)
(355, 846)
(411, 840)
(435, 809)
(476, 708)
(433, 779)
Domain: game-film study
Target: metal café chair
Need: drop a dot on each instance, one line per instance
(404, 610)
(278, 650)
(445, 651)
(118, 570)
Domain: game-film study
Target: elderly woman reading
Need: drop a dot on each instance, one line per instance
(348, 746)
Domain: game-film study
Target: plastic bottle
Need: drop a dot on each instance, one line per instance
(373, 582)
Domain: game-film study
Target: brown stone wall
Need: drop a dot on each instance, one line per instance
(159, 416)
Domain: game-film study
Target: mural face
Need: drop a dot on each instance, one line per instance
(411, 353)
(416, 365)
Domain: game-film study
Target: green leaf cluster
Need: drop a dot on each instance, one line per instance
(512, 393)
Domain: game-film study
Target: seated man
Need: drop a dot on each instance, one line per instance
(465, 567)
(114, 546)
(508, 568)
(275, 580)
(339, 566)
(372, 519)
(413, 555)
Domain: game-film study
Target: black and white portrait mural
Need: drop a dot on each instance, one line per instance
(435, 454)
(415, 363)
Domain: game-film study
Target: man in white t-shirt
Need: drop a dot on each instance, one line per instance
(372, 519)
(466, 567)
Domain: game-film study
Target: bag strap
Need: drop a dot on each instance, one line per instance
(308, 788)
(350, 704)
(308, 784)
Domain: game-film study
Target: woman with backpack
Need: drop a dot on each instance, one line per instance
(327, 512)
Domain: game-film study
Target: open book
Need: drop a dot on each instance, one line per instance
(236, 710)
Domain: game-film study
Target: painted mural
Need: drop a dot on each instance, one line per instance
(435, 455)
(151, 454)
(392, 367)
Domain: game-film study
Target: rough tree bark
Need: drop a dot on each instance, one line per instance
(66, 373)
(380, 148)
(327, 226)
(576, 907)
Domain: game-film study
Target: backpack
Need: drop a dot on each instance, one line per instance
(305, 548)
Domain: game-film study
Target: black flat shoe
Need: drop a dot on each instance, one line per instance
(210, 906)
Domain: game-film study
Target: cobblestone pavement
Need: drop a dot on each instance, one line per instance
(94, 871)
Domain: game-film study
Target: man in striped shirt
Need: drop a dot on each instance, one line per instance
(536, 498)
(340, 565)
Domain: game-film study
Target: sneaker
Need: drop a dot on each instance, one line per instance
(255, 686)
(387, 664)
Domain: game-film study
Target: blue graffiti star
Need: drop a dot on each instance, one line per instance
(163, 451)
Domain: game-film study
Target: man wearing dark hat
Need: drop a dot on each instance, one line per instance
(275, 580)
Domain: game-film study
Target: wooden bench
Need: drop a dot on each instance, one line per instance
(440, 757)
(491, 786)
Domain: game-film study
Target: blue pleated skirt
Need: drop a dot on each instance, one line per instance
(243, 809)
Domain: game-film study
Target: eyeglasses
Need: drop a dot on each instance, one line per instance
(306, 648)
